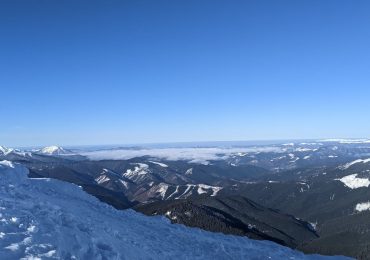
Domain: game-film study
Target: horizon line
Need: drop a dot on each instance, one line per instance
(117, 145)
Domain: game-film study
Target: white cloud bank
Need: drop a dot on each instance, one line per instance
(196, 155)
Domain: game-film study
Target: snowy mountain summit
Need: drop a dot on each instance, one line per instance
(50, 219)
(54, 150)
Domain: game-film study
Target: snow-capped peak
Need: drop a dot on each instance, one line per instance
(53, 150)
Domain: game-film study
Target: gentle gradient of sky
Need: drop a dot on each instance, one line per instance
(105, 72)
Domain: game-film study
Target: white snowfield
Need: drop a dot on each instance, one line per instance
(50, 219)
(352, 182)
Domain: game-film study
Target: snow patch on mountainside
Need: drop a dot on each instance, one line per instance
(6, 164)
(162, 189)
(195, 189)
(362, 206)
(202, 188)
(139, 169)
(347, 165)
(5, 151)
(189, 171)
(347, 141)
(102, 179)
(352, 182)
(160, 164)
(107, 177)
(303, 149)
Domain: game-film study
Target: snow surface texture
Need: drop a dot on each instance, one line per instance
(50, 219)
(352, 182)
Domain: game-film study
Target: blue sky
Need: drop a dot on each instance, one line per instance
(105, 72)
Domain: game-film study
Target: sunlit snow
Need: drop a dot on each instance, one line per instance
(363, 206)
(352, 182)
(347, 165)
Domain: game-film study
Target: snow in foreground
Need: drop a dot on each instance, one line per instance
(50, 219)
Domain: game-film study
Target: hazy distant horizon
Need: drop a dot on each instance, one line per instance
(191, 144)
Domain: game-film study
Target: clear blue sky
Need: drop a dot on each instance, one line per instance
(105, 72)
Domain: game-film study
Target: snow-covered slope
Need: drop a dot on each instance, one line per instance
(138, 173)
(348, 165)
(45, 218)
(4, 150)
(354, 182)
(185, 191)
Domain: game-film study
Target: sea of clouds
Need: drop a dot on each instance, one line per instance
(196, 155)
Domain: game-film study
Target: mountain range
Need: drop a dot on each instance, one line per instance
(310, 196)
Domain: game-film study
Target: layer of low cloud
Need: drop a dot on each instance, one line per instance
(196, 155)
